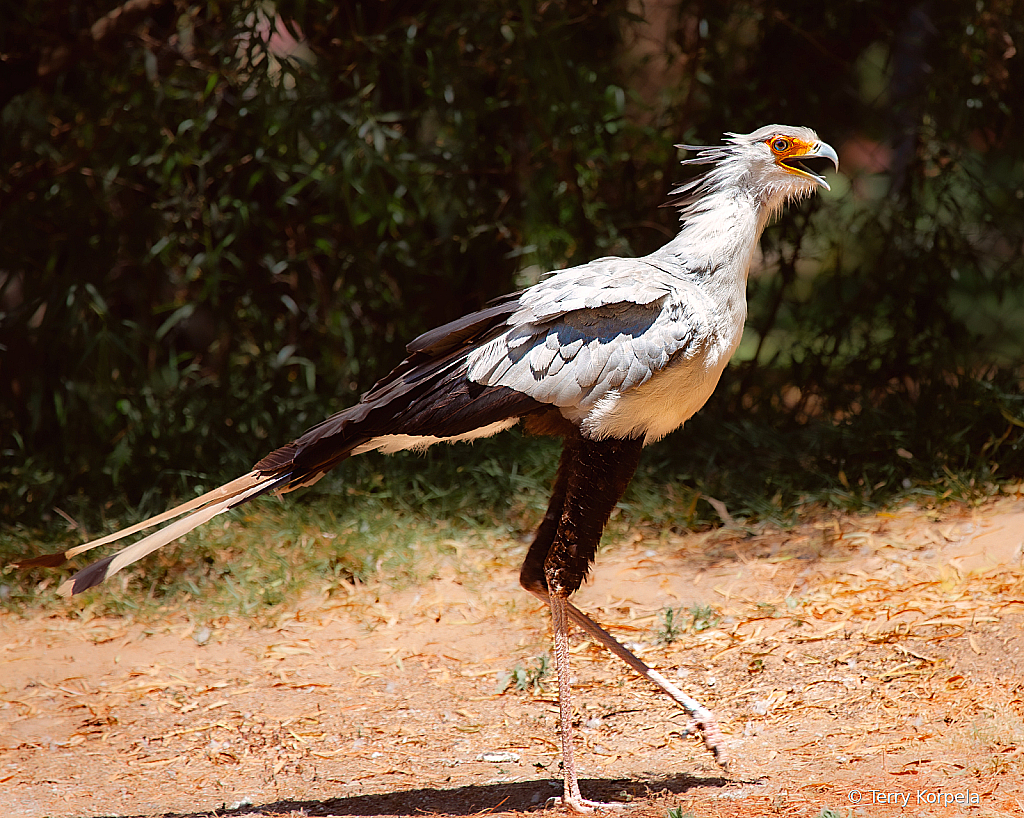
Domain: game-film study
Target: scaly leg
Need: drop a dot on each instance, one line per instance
(703, 718)
(571, 796)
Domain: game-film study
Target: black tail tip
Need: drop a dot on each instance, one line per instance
(88, 577)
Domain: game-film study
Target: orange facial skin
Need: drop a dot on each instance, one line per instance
(786, 147)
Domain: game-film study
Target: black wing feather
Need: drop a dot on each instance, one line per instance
(428, 394)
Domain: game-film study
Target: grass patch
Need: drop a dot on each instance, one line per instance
(524, 679)
(673, 623)
(377, 517)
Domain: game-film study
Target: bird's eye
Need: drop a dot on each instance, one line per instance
(780, 145)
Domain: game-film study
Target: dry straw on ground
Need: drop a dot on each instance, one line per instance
(876, 655)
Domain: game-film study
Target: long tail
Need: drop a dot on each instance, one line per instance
(426, 399)
(197, 511)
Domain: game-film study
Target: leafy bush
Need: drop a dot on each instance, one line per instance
(217, 225)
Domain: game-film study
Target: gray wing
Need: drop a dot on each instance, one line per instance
(608, 326)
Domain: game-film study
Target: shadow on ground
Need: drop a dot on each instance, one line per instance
(471, 800)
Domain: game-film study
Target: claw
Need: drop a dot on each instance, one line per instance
(583, 806)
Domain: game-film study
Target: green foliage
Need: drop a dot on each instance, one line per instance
(207, 249)
(524, 679)
(208, 244)
(668, 629)
(702, 617)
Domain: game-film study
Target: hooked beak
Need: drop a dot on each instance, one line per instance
(821, 154)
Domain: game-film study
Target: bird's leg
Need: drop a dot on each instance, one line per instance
(703, 718)
(571, 796)
(544, 567)
(591, 477)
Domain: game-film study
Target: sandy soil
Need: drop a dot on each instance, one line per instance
(871, 666)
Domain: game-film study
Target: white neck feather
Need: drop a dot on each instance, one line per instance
(729, 208)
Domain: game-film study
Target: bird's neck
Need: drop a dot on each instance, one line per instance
(722, 233)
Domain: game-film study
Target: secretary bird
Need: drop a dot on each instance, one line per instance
(610, 356)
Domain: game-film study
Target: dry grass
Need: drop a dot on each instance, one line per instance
(877, 653)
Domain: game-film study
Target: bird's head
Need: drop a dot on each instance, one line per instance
(789, 156)
(774, 164)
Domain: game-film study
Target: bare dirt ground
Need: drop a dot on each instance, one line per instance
(867, 666)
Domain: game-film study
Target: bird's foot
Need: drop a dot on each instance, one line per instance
(581, 805)
(707, 727)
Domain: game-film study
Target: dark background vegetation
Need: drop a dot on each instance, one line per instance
(218, 226)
